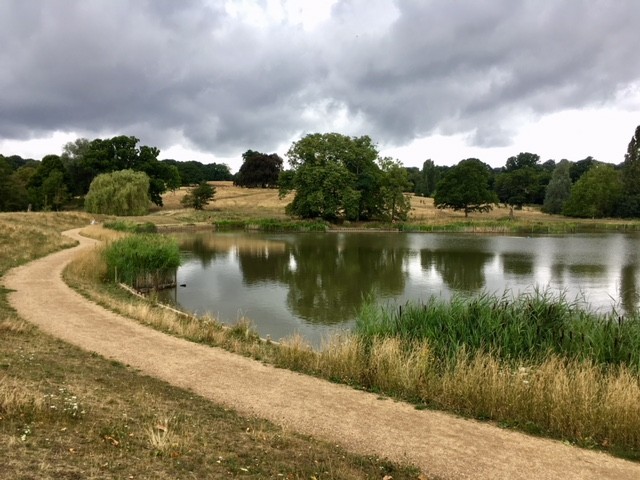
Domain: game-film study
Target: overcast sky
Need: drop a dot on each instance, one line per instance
(208, 80)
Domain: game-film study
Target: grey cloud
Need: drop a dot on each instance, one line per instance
(164, 69)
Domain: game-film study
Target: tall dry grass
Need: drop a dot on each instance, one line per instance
(16, 398)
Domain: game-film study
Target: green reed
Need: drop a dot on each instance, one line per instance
(527, 327)
(143, 260)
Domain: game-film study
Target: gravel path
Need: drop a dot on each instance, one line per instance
(439, 444)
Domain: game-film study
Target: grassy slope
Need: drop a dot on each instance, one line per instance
(65, 413)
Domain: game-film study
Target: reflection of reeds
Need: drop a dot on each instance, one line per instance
(226, 243)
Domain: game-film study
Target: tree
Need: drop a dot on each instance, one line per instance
(48, 186)
(124, 192)
(54, 191)
(466, 187)
(581, 167)
(523, 180)
(630, 206)
(259, 170)
(334, 177)
(431, 175)
(516, 187)
(395, 181)
(597, 193)
(199, 196)
(522, 160)
(559, 189)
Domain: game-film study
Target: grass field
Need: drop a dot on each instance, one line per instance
(235, 203)
(69, 414)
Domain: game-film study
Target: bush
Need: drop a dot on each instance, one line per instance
(143, 261)
(199, 196)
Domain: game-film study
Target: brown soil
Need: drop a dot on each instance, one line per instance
(441, 445)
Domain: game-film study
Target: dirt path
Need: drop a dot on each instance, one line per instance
(440, 444)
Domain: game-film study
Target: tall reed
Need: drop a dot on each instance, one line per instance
(527, 327)
(143, 260)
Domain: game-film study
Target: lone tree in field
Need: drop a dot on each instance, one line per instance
(466, 187)
(199, 196)
(124, 192)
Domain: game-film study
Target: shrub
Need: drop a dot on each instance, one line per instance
(143, 261)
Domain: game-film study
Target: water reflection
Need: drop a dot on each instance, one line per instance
(328, 276)
(518, 264)
(313, 283)
(459, 269)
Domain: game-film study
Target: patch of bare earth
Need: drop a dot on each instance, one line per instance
(439, 444)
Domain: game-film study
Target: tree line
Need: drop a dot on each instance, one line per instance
(586, 188)
(333, 177)
(63, 181)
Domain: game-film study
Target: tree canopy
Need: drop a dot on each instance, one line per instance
(596, 195)
(466, 187)
(630, 204)
(124, 192)
(259, 170)
(337, 177)
(559, 189)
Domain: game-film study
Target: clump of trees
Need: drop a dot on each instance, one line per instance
(336, 177)
(62, 181)
(193, 172)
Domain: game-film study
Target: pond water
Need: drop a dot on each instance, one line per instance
(314, 284)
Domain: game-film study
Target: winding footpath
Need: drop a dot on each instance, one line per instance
(439, 444)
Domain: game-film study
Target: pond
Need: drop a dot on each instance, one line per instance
(315, 283)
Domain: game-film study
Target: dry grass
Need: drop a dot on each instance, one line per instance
(18, 399)
(249, 202)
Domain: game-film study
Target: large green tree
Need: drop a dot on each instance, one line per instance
(259, 170)
(523, 180)
(124, 192)
(334, 177)
(597, 194)
(559, 189)
(466, 187)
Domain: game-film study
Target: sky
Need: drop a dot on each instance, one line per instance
(426, 79)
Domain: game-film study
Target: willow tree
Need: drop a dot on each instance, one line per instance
(124, 192)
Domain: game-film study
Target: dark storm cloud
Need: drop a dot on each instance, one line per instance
(164, 69)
